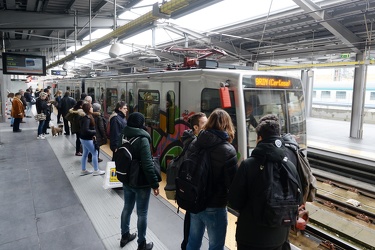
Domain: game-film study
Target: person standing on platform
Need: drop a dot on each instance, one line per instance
(28, 98)
(216, 136)
(117, 122)
(74, 117)
(139, 194)
(9, 107)
(245, 190)
(17, 112)
(87, 133)
(48, 111)
(67, 103)
(24, 103)
(41, 107)
(197, 121)
(58, 105)
(101, 136)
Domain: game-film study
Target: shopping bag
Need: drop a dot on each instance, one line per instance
(110, 178)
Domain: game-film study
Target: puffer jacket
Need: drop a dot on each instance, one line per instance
(223, 160)
(87, 131)
(74, 116)
(117, 122)
(244, 188)
(41, 106)
(187, 137)
(101, 136)
(142, 150)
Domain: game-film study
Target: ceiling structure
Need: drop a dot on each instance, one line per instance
(326, 32)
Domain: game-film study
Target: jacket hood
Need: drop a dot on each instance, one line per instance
(270, 148)
(95, 114)
(187, 136)
(209, 138)
(134, 132)
(78, 111)
(112, 115)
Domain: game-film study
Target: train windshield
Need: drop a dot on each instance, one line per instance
(287, 104)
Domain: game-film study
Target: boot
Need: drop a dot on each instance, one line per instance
(125, 238)
(145, 246)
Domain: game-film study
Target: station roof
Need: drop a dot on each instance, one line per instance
(308, 32)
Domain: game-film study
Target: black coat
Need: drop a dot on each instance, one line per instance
(223, 159)
(66, 103)
(242, 191)
(117, 122)
(87, 130)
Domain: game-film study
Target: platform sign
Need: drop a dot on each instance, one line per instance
(347, 55)
(58, 73)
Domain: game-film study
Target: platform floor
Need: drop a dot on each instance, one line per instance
(45, 204)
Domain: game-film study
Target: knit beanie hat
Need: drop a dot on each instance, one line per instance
(96, 107)
(136, 120)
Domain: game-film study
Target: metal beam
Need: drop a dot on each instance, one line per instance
(11, 20)
(141, 22)
(336, 28)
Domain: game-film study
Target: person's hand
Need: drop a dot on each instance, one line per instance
(94, 138)
(156, 191)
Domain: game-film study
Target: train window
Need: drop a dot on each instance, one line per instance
(149, 105)
(259, 103)
(296, 113)
(210, 100)
(77, 93)
(123, 95)
(111, 100)
(341, 95)
(171, 109)
(326, 94)
(372, 96)
(91, 92)
(131, 101)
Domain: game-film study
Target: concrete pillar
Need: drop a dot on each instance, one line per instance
(358, 103)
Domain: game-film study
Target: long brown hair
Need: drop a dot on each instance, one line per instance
(86, 108)
(220, 120)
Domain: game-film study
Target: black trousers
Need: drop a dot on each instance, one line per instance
(16, 124)
(66, 126)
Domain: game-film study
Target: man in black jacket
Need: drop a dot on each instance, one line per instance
(245, 188)
(67, 103)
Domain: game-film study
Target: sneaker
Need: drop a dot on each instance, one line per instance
(41, 137)
(100, 160)
(98, 172)
(127, 238)
(78, 154)
(85, 172)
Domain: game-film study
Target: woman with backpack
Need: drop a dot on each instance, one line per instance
(216, 136)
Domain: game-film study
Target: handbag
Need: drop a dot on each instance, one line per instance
(137, 177)
(40, 117)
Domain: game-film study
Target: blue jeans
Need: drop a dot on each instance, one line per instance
(140, 196)
(40, 127)
(216, 221)
(88, 146)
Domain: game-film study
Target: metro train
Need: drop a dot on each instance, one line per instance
(168, 98)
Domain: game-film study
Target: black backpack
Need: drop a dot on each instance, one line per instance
(123, 158)
(193, 182)
(276, 203)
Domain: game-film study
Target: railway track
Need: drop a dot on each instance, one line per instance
(349, 192)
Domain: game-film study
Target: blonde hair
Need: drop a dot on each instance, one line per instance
(220, 120)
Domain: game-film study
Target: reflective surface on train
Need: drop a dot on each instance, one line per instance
(167, 99)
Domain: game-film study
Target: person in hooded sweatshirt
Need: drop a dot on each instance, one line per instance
(140, 193)
(217, 135)
(250, 235)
